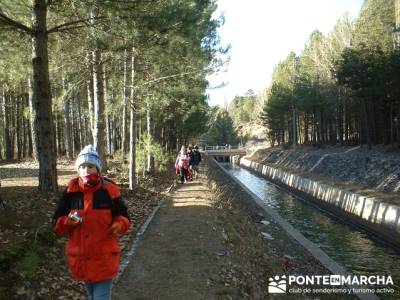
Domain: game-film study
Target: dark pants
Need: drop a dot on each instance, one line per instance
(195, 170)
(183, 174)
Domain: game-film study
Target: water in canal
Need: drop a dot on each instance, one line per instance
(352, 248)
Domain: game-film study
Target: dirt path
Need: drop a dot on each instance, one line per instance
(180, 252)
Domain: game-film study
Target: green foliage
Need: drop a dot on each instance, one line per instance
(342, 87)
(146, 146)
(374, 26)
(361, 70)
(221, 129)
(141, 157)
(160, 156)
(392, 74)
(29, 263)
(276, 111)
(26, 256)
(174, 44)
(242, 108)
(195, 122)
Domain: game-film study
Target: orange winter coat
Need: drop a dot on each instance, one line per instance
(93, 253)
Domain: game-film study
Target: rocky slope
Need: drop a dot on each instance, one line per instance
(377, 169)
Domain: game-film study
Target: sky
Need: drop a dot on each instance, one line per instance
(262, 33)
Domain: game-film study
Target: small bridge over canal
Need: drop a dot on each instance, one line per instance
(224, 150)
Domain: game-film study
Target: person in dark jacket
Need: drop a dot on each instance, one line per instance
(190, 153)
(196, 161)
(92, 214)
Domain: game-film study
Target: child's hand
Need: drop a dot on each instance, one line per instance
(116, 228)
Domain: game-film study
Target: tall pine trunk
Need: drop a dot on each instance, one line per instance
(306, 123)
(67, 120)
(12, 122)
(98, 88)
(398, 126)
(25, 130)
(366, 123)
(41, 99)
(57, 135)
(125, 105)
(340, 117)
(1, 124)
(74, 128)
(132, 128)
(107, 115)
(32, 121)
(112, 128)
(81, 123)
(18, 124)
(150, 132)
(90, 96)
(6, 121)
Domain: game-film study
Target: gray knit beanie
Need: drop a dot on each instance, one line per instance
(88, 155)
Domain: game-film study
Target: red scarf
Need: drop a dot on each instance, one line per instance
(91, 179)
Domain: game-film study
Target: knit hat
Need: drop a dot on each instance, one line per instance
(88, 155)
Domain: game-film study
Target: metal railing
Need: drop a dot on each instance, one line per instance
(228, 147)
(224, 150)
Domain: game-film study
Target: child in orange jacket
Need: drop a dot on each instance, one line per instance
(93, 215)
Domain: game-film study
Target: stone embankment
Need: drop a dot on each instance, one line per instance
(377, 169)
(301, 171)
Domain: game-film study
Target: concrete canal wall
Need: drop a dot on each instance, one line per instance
(372, 214)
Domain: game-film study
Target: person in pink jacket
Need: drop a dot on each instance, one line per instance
(182, 164)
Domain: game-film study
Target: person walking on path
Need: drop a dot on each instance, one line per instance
(190, 153)
(182, 165)
(92, 214)
(196, 161)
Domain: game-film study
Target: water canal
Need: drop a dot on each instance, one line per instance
(358, 252)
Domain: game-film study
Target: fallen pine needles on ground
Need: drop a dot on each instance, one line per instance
(32, 259)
